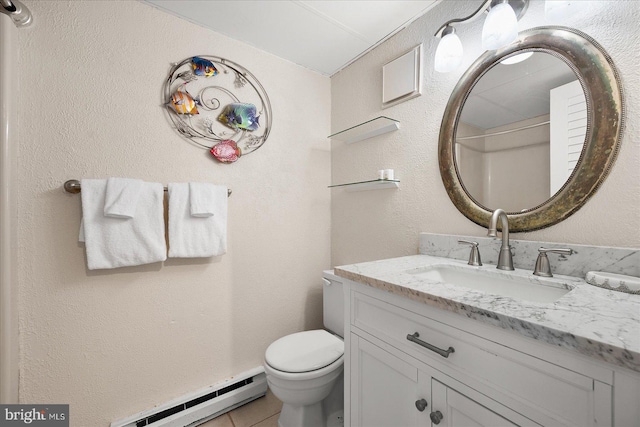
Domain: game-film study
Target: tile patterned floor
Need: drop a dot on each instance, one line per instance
(262, 412)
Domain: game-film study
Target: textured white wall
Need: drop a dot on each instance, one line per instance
(381, 224)
(112, 343)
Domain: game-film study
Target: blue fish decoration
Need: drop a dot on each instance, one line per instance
(240, 116)
(203, 67)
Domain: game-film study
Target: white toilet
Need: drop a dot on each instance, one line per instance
(304, 370)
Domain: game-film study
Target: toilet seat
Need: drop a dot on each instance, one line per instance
(304, 352)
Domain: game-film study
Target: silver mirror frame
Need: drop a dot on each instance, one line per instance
(605, 112)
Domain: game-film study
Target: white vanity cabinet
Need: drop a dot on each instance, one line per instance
(452, 408)
(389, 391)
(493, 377)
(385, 387)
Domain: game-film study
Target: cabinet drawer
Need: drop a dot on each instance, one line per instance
(537, 389)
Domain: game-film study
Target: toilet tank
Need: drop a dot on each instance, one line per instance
(333, 303)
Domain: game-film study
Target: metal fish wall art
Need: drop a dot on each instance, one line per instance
(240, 116)
(226, 151)
(203, 67)
(218, 105)
(182, 103)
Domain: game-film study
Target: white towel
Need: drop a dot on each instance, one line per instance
(196, 237)
(202, 199)
(119, 242)
(121, 198)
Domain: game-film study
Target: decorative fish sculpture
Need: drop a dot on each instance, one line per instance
(226, 151)
(182, 103)
(203, 67)
(240, 116)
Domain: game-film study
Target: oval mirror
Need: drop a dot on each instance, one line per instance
(532, 128)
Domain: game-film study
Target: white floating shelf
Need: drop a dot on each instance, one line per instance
(368, 129)
(376, 184)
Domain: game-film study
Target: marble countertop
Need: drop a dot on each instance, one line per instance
(592, 321)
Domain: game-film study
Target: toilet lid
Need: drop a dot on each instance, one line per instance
(304, 351)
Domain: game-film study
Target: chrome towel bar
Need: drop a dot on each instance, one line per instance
(73, 186)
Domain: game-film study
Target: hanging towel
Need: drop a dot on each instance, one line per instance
(196, 237)
(202, 199)
(121, 242)
(121, 198)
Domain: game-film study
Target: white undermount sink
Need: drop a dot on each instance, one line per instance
(529, 288)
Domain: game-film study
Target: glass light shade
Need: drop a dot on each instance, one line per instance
(448, 54)
(500, 27)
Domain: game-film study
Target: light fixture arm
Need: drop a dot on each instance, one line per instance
(519, 7)
(469, 18)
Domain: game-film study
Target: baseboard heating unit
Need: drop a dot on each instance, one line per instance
(202, 405)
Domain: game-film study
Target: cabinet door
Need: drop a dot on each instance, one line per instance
(384, 388)
(452, 409)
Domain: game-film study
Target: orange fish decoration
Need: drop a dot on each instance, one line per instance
(182, 103)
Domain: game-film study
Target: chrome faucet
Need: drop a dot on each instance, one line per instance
(505, 260)
(474, 256)
(543, 268)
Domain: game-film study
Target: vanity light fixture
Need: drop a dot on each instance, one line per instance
(500, 29)
(449, 51)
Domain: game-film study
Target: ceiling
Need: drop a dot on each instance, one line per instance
(324, 36)
(512, 93)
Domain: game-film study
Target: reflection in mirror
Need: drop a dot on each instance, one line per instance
(520, 133)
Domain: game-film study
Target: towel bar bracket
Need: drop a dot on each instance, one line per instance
(73, 186)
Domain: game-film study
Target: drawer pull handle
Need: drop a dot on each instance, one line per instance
(444, 353)
(436, 417)
(421, 405)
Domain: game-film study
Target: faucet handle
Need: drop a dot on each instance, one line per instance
(543, 267)
(474, 256)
